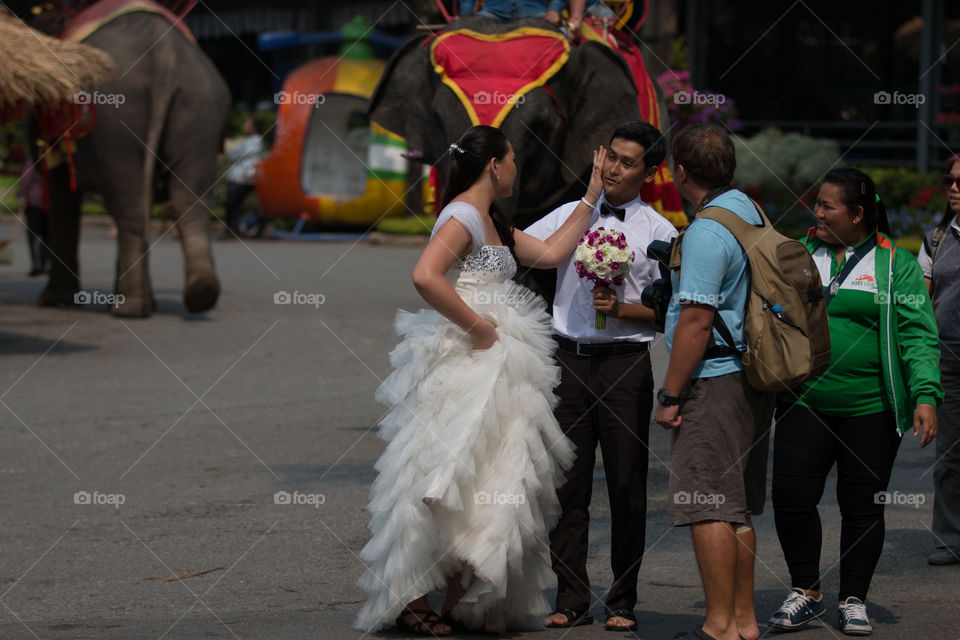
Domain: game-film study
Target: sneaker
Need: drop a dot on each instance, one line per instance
(944, 556)
(797, 610)
(853, 618)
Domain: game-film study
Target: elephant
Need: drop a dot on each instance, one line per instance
(165, 134)
(553, 130)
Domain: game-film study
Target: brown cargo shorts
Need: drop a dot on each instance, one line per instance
(718, 454)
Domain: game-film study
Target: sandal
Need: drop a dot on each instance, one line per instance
(459, 627)
(424, 623)
(622, 613)
(574, 619)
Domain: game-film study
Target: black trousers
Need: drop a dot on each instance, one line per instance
(605, 400)
(946, 473)
(37, 238)
(806, 445)
(233, 204)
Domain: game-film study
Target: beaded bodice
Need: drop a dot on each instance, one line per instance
(490, 263)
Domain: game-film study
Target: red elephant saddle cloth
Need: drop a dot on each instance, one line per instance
(102, 12)
(491, 73)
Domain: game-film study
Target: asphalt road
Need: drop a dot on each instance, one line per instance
(138, 452)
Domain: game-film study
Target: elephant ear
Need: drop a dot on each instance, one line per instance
(601, 95)
(402, 99)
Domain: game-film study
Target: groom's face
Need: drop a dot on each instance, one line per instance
(624, 171)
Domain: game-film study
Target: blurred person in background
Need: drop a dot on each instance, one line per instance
(242, 175)
(30, 190)
(940, 260)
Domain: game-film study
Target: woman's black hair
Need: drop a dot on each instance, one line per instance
(468, 161)
(948, 214)
(858, 190)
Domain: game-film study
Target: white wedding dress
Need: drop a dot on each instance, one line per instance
(468, 480)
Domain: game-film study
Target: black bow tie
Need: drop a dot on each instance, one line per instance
(607, 209)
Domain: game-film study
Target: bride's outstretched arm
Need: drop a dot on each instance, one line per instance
(451, 241)
(549, 253)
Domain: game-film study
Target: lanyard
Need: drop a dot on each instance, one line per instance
(852, 261)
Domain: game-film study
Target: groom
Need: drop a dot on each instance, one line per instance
(606, 385)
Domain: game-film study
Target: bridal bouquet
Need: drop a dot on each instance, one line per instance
(603, 257)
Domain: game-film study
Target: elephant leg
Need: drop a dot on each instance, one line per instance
(129, 204)
(62, 239)
(201, 286)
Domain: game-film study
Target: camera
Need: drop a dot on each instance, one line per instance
(657, 295)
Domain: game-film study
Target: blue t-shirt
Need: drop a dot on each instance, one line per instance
(715, 272)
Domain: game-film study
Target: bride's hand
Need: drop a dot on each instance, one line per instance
(595, 188)
(484, 335)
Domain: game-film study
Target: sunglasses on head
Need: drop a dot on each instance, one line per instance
(949, 181)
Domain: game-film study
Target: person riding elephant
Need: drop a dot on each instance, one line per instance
(160, 119)
(549, 10)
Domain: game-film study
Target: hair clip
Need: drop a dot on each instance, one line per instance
(878, 199)
(863, 188)
(455, 147)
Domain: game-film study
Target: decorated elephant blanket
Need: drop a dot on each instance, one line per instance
(102, 12)
(490, 73)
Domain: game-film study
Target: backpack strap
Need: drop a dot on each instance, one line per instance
(744, 232)
(932, 244)
(933, 247)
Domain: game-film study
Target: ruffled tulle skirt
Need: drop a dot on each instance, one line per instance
(468, 480)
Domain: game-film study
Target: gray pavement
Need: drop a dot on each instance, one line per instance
(195, 423)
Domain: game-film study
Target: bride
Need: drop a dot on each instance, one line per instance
(466, 490)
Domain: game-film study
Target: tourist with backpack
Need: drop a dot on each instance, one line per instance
(883, 380)
(940, 261)
(720, 424)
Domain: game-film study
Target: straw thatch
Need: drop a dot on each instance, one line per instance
(38, 69)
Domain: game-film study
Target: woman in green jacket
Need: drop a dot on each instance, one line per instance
(883, 379)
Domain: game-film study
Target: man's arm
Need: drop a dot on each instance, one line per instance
(690, 340)
(605, 300)
(705, 260)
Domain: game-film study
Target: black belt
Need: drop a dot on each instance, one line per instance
(600, 348)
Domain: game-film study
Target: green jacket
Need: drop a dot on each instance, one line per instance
(909, 342)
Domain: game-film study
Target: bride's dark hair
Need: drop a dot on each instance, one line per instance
(468, 160)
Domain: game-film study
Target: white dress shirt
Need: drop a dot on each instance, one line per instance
(573, 314)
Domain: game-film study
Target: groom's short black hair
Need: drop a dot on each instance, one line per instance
(647, 136)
